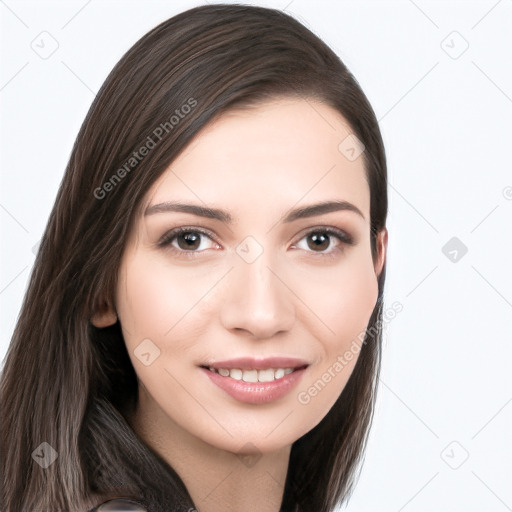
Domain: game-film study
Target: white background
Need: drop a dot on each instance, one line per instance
(445, 115)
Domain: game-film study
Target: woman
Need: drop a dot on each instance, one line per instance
(202, 326)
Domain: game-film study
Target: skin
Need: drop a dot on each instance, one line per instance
(258, 164)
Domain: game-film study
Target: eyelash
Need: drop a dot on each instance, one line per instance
(167, 239)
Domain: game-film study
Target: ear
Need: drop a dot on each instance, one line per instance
(104, 316)
(382, 245)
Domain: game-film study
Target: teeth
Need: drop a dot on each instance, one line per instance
(250, 376)
(267, 375)
(235, 374)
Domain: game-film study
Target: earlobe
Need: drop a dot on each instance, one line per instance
(382, 245)
(104, 316)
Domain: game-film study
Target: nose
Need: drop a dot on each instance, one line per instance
(258, 299)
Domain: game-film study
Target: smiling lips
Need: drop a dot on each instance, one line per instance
(256, 381)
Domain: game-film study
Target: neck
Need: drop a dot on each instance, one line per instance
(217, 480)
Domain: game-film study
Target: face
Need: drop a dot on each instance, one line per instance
(269, 299)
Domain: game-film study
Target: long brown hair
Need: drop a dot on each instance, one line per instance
(67, 383)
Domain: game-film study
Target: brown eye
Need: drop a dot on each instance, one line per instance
(320, 241)
(186, 241)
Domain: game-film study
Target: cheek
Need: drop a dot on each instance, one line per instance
(153, 298)
(355, 299)
(142, 303)
(342, 297)
(344, 300)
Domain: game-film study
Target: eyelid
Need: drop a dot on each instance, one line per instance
(341, 235)
(172, 233)
(331, 230)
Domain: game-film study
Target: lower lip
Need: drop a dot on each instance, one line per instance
(256, 392)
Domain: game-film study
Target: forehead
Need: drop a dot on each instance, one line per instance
(268, 158)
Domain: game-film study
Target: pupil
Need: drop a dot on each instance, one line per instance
(190, 239)
(322, 239)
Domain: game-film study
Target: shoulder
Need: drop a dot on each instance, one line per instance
(120, 505)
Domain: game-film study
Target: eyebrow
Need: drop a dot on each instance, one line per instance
(225, 217)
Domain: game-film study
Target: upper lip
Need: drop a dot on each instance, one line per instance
(258, 363)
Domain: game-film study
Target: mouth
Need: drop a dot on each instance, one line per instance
(256, 381)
